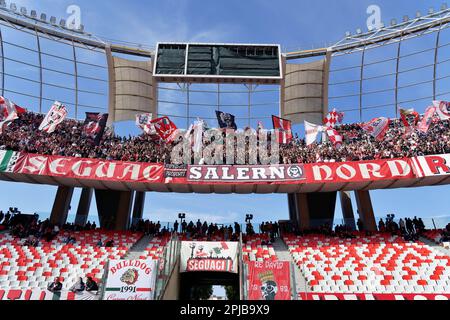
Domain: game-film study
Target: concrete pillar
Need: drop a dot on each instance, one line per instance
(124, 211)
(83, 206)
(347, 209)
(292, 209)
(138, 208)
(303, 214)
(114, 208)
(61, 206)
(366, 210)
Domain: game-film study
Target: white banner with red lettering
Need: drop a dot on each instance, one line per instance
(209, 257)
(131, 280)
(39, 294)
(269, 280)
(373, 296)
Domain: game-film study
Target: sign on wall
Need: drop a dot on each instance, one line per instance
(131, 280)
(269, 280)
(209, 257)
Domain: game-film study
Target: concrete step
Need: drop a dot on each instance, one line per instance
(138, 249)
(283, 254)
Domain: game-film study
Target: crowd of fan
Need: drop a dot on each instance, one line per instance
(68, 140)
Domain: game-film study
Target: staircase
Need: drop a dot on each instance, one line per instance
(137, 250)
(283, 254)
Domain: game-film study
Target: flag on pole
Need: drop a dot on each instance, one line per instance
(144, 122)
(377, 128)
(284, 128)
(226, 120)
(442, 109)
(311, 132)
(54, 117)
(425, 124)
(198, 127)
(9, 112)
(165, 129)
(335, 137)
(94, 126)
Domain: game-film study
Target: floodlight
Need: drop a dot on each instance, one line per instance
(405, 18)
(62, 23)
(3, 3)
(418, 14)
(348, 34)
(23, 11)
(430, 10)
(358, 31)
(393, 22)
(13, 7)
(33, 14)
(53, 20)
(444, 7)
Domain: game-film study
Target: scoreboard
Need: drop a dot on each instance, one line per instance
(200, 62)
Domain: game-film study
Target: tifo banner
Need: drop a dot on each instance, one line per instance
(209, 257)
(39, 294)
(369, 296)
(431, 166)
(246, 173)
(269, 280)
(90, 169)
(131, 280)
(8, 160)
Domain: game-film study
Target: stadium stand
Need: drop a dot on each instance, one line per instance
(24, 267)
(258, 248)
(23, 135)
(381, 263)
(440, 237)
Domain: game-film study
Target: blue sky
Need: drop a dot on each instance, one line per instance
(294, 25)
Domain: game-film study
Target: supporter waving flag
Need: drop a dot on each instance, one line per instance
(425, 124)
(377, 128)
(144, 122)
(410, 118)
(9, 112)
(54, 117)
(165, 129)
(94, 126)
(284, 128)
(442, 109)
(226, 120)
(335, 137)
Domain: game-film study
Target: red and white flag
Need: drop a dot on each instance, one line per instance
(9, 112)
(427, 120)
(410, 118)
(332, 118)
(377, 128)
(442, 109)
(284, 128)
(54, 117)
(335, 137)
(165, 129)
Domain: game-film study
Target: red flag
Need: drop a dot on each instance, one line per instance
(284, 128)
(410, 118)
(165, 128)
(377, 128)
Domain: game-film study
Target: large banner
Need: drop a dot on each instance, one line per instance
(269, 280)
(91, 169)
(131, 280)
(39, 294)
(431, 166)
(209, 257)
(8, 160)
(374, 296)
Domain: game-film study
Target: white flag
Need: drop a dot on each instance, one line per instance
(442, 109)
(54, 117)
(312, 131)
(8, 113)
(144, 122)
(198, 136)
